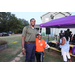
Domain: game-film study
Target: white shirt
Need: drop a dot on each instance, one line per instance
(66, 45)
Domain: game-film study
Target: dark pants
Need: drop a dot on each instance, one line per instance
(39, 56)
(30, 52)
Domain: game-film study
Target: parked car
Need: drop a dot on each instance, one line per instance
(5, 34)
(10, 32)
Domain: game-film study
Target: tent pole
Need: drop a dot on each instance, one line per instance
(58, 34)
(48, 37)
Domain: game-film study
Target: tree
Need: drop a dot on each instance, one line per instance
(21, 23)
(8, 22)
(9, 15)
(3, 20)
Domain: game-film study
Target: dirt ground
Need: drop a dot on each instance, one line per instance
(3, 51)
(55, 53)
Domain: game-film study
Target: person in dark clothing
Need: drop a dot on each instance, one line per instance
(73, 41)
(71, 38)
(70, 35)
(61, 34)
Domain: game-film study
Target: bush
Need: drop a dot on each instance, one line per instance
(2, 42)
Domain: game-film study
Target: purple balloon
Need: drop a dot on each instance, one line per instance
(73, 50)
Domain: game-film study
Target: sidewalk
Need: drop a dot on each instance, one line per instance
(13, 35)
(18, 58)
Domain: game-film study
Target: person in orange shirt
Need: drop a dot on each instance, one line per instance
(40, 47)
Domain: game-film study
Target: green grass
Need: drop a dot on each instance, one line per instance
(50, 38)
(51, 56)
(13, 49)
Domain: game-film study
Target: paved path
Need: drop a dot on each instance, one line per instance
(11, 35)
(17, 58)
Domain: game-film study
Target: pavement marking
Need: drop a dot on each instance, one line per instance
(15, 42)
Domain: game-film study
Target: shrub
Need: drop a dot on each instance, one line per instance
(2, 42)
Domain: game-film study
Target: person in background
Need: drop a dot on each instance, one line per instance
(71, 38)
(64, 42)
(68, 30)
(40, 47)
(73, 41)
(61, 34)
(70, 34)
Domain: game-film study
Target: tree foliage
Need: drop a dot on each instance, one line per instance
(8, 22)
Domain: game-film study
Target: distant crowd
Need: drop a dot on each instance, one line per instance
(72, 37)
(66, 38)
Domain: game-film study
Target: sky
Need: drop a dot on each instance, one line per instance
(28, 15)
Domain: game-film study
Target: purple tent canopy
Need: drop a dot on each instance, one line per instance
(65, 22)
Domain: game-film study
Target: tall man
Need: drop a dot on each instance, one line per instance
(28, 41)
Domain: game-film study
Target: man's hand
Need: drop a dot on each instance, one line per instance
(23, 51)
(23, 42)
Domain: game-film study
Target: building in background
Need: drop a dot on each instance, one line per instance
(38, 28)
(51, 16)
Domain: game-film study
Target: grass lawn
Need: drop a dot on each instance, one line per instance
(50, 38)
(51, 56)
(14, 48)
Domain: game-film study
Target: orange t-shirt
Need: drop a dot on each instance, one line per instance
(40, 45)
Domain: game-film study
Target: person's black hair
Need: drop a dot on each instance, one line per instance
(66, 35)
(61, 31)
(32, 19)
(68, 30)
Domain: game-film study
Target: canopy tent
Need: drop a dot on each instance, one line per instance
(65, 22)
